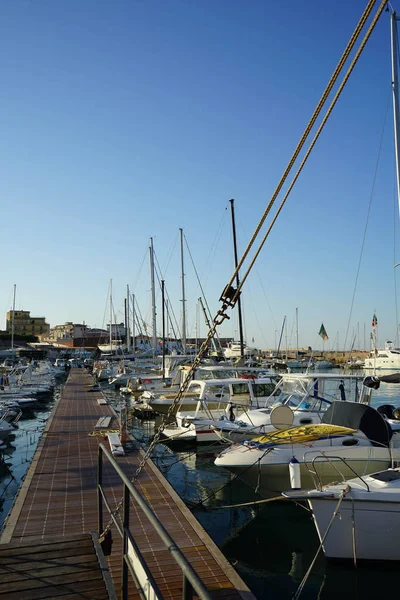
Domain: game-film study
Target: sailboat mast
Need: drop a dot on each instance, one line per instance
(153, 297)
(297, 334)
(128, 329)
(133, 325)
(395, 90)
(183, 296)
(111, 315)
(237, 279)
(280, 338)
(13, 319)
(163, 327)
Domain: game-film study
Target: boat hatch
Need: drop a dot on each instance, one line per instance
(386, 476)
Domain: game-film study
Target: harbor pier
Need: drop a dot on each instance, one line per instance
(49, 546)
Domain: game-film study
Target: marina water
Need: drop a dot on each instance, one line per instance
(270, 545)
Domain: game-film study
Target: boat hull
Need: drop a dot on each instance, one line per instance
(268, 480)
(372, 523)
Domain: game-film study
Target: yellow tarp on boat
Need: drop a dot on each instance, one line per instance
(303, 433)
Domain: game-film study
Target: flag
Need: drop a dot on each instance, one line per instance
(322, 332)
(374, 321)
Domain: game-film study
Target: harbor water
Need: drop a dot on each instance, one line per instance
(271, 545)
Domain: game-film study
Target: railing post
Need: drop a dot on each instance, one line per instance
(187, 589)
(99, 488)
(125, 528)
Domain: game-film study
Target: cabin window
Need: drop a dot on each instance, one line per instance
(321, 405)
(305, 421)
(265, 389)
(240, 388)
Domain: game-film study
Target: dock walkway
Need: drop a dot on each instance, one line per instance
(58, 499)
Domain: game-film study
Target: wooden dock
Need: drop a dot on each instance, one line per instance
(58, 499)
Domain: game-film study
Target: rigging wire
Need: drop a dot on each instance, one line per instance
(203, 294)
(210, 259)
(395, 205)
(367, 219)
(171, 311)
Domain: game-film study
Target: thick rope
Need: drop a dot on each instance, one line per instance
(319, 130)
(307, 130)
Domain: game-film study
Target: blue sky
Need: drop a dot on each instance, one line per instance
(125, 120)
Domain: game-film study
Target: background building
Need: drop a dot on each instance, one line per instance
(24, 324)
(76, 335)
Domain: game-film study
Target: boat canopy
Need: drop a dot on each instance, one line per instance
(361, 417)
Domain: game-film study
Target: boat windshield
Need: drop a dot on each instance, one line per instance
(205, 375)
(309, 403)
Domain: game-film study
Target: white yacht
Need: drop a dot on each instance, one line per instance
(388, 358)
(233, 350)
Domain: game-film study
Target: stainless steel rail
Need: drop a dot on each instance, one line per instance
(191, 582)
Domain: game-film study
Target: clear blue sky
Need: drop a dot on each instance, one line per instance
(129, 119)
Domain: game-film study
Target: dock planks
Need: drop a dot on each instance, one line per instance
(65, 568)
(58, 498)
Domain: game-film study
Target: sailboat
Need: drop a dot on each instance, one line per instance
(114, 346)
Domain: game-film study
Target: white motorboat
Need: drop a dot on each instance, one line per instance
(213, 392)
(388, 358)
(218, 401)
(305, 398)
(353, 439)
(233, 350)
(358, 518)
(161, 398)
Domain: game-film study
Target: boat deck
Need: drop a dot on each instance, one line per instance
(59, 498)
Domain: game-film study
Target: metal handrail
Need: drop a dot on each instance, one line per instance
(335, 457)
(191, 581)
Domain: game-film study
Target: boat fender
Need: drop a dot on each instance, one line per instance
(294, 474)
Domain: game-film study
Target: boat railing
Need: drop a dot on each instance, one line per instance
(133, 561)
(330, 458)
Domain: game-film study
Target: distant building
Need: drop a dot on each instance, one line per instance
(76, 335)
(24, 324)
(118, 331)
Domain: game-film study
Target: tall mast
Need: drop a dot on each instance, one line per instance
(183, 296)
(128, 329)
(297, 334)
(395, 90)
(163, 327)
(153, 298)
(237, 279)
(133, 325)
(13, 319)
(111, 315)
(280, 338)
